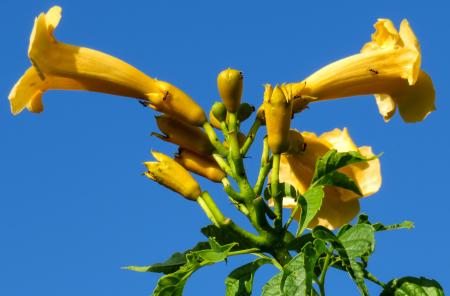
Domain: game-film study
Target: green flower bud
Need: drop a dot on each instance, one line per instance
(219, 111)
(244, 111)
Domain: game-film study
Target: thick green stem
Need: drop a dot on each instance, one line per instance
(209, 206)
(250, 137)
(223, 164)
(235, 153)
(231, 192)
(277, 197)
(212, 136)
(266, 165)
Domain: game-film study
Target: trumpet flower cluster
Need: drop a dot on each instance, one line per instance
(315, 181)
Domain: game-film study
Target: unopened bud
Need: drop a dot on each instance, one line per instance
(184, 135)
(230, 83)
(172, 175)
(278, 113)
(200, 165)
(244, 111)
(174, 102)
(219, 111)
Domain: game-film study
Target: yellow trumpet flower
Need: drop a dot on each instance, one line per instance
(339, 205)
(388, 67)
(172, 175)
(56, 65)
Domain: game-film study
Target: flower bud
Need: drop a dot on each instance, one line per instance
(278, 113)
(229, 83)
(184, 135)
(244, 111)
(219, 111)
(172, 175)
(176, 103)
(200, 165)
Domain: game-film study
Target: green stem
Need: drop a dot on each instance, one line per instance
(321, 281)
(246, 251)
(223, 164)
(250, 137)
(235, 153)
(231, 192)
(277, 198)
(212, 136)
(266, 165)
(209, 206)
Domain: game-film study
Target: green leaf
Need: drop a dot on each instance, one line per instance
(312, 252)
(173, 284)
(353, 268)
(358, 240)
(170, 265)
(412, 286)
(217, 252)
(404, 225)
(240, 281)
(338, 179)
(334, 160)
(291, 281)
(286, 189)
(313, 197)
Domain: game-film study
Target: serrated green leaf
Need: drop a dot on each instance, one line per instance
(353, 268)
(173, 284)
(240, 281)
(338, 179)
(334, 160)
(291, 281)
(170, 265)
(358, 240)
(313, 197)
(273, 286)
(404, 225)
(217, 252)
(412, 286)
(312, 252)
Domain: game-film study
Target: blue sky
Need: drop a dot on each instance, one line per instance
(74, 207)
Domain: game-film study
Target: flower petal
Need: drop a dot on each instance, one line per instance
(334, 212)
(416, 101)
(386, 106)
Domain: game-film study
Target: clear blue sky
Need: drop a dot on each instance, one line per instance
(74, 207)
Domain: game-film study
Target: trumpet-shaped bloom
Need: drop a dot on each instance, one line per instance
(388, 67)
(172, 175)
(56, 65)
(339, 205)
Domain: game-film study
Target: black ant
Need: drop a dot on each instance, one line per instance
(374, 71)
